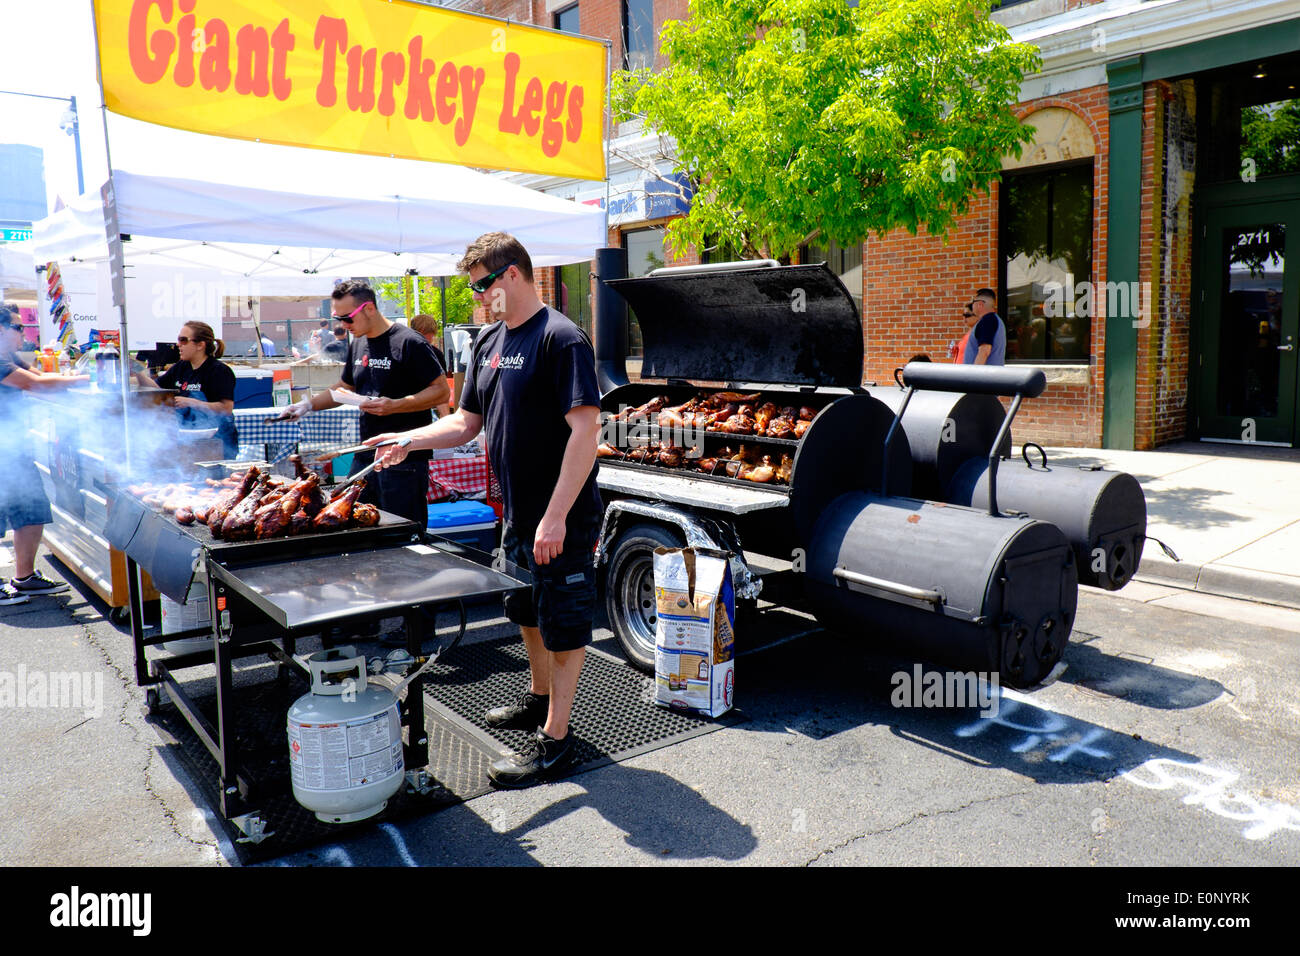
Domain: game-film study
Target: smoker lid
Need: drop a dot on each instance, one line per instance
(795, 324)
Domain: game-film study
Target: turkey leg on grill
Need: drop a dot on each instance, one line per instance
(222, 507)
(240, 523)
(275, 519)
(336, 515)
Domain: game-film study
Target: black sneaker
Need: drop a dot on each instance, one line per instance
(527, 713)
(36, 583)
(9, 596)
(540, 758)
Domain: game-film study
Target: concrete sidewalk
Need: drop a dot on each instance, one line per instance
(1230, 512)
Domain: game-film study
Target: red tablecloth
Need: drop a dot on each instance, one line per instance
(461, 475)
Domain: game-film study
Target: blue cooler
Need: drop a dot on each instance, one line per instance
(469, 522)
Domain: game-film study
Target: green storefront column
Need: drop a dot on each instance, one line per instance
(1123, 229)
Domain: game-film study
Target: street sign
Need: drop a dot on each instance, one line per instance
(112, 232)
(8, 234)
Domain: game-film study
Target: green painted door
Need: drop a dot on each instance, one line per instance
(1250, 326)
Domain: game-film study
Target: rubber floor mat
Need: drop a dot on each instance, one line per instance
(614, 715)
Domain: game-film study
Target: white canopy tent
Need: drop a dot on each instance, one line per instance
(260, 211)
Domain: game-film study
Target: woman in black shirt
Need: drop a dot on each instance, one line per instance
(207, 387)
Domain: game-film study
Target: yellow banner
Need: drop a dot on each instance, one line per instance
(362, 76)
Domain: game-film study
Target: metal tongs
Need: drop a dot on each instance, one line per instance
(330, 455)
(397, 442)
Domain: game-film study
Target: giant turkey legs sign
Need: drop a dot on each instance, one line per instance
(364, 76)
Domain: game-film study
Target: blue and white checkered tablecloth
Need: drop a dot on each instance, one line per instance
(277, 440)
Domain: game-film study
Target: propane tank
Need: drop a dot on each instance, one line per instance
(345, 740)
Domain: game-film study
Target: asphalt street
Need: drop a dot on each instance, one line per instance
(1170, 737)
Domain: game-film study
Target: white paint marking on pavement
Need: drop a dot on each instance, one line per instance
(396, 837)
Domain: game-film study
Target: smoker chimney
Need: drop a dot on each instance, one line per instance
(611, 320)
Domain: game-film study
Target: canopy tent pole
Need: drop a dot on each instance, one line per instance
(123, 346)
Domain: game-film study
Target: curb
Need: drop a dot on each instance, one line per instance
(1265, 587)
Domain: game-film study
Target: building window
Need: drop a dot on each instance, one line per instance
(1045, 277)
(646, 250)
(573, 294)
(845, 263)
(638, 34)
(715, 251)
(567, 19)
(1270, 138)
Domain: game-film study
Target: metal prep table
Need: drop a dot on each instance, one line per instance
(265, 595)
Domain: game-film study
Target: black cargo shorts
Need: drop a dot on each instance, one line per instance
(563, 597)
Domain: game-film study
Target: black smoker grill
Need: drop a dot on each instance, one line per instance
(961, 586)
(1103, 513)
(265, 595)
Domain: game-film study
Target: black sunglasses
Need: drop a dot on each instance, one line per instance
(485, 283)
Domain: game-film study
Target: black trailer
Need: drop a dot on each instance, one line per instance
(854, 531)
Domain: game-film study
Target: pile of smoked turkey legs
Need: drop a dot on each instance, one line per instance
(256, 505)
(728, 413)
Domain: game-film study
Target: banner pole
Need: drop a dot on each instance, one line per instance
(124, 346)
(609, 124)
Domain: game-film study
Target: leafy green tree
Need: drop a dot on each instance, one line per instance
(426, 296)
(799, 117)
(1270, 135)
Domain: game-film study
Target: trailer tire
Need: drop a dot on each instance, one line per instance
(629, 591)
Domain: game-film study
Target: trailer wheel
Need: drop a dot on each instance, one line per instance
(630, 591)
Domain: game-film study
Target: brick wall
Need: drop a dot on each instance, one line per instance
(596, 18)
(1172, 348)
(914, 288)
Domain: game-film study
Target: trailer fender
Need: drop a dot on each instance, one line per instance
(699, 532)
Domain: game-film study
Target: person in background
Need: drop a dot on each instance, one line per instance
(394, 369)
(427, 326)
(268, 345)
(317, 341)
(531, 387)
(337, 348)
(957, 347)
(23, 505)
(207, 386)
(987, 344)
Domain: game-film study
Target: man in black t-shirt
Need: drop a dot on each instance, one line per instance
(531, 387)
(397, 369)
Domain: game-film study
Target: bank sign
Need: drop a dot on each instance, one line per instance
(658, 198)
(385, 77)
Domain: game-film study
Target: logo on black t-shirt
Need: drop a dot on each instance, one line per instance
(515, 361)
(368, 361)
